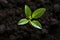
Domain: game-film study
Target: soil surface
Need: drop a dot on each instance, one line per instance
(11, 11)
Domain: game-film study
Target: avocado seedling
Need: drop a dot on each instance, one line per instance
(32, 15)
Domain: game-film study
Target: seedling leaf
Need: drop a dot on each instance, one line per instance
(36, 24)
(38, 13)
(27, 11)
(23, 21)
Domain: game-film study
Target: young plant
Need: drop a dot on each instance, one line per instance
(29, 15)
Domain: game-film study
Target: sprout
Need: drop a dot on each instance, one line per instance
(32, 15)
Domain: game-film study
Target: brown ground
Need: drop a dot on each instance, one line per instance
(11, 11)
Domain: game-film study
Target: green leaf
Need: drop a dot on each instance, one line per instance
(27, 11)
(36, 24)
(23, 21)
(38, 13)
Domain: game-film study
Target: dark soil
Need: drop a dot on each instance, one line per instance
(11, 11)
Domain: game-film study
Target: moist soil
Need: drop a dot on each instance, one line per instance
(11, 11)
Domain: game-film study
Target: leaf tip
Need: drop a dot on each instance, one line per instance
(26, 6)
